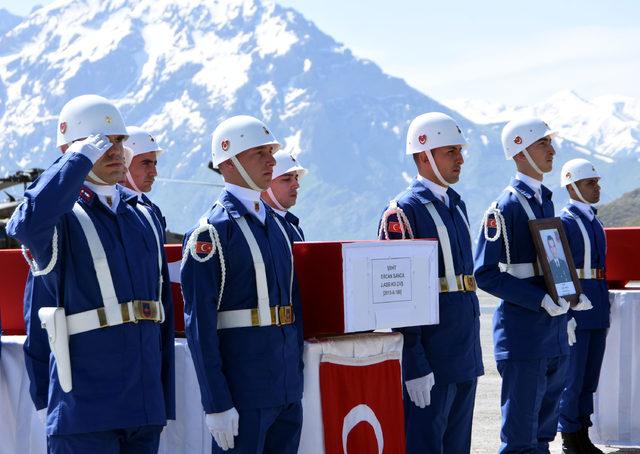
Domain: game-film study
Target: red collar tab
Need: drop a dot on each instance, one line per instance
(86, 194)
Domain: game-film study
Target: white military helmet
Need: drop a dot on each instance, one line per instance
(576, 170)
(286, 163)
(433, 130)
(139, 142)
(237, 134)
(87, 115)
(518, 134)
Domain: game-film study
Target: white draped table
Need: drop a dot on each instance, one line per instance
(616, 420)
(22, 432)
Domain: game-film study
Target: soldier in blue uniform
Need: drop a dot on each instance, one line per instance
(283, 190)
(98, 258)
(141, 158)
(588, 248)
(529, 328)
(441, 363)
(242, 309)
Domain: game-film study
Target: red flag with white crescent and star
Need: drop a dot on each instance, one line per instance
(357, 415)
(394, 227)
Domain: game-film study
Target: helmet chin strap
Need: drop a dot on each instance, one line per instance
(97, 179)
(578, 193)
(532, 162)
(131, 182)
(245, 176)
(444, 182)
(274, 200)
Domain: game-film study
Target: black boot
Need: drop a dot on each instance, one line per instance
(585, 442)
(570, 443)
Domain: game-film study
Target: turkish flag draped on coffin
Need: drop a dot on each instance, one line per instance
(362, 404)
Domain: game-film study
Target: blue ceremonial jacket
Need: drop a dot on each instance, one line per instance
(522, 329)
(36, 347)
(451, 349)
(123, 376)
(249, 367)
(295, 226)
(156, 209)
(596, 290)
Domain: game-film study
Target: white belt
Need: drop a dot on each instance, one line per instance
(105, 281)
(242, 318)
(264, 312)
(520, 270)
(103, 317)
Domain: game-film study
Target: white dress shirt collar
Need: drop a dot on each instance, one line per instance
(585, 208)
(439, 191)
(534, 184)
(104, 191)
(249, 198)
(280, 212)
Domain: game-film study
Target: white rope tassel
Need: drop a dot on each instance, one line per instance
(405, 226)
(35, 270)
(190, 249)
(501, 228)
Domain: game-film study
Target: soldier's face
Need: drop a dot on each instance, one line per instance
(258, 162)
(110, 167)
(590, 189)
(553, 248)
(285, 188)
(143, 170)
(449, 160)
(542, 153)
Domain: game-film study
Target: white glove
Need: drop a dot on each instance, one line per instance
(223, 426)
(555, 309)
(42, 415)
(571, 331)
(93, 147)
(583, 303)
(419, 390)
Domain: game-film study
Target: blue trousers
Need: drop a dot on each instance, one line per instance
(141, 440)
(576, 401)
(529, 401)
(444, 427)
(274, 430)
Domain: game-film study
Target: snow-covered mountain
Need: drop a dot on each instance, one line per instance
(8, 21)
(606, 127)
(178, 67)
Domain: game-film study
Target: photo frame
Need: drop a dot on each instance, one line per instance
(555, 259)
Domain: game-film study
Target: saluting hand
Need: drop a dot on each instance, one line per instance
(93, 147)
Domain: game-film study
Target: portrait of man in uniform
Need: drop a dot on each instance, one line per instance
(560, 272)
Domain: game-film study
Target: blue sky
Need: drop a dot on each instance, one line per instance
(513, 52)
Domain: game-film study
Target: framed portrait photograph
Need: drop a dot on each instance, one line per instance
(554, 257)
